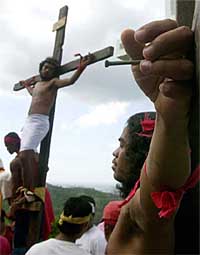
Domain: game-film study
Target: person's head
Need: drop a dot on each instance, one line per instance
(91, 201)
(134, 142)
(12, 142)
(110, 216)
(48, 69)
(75, 217)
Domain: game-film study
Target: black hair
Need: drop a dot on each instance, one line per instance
(52, 61)
(76, 207)
(136, 150)
(88, 199)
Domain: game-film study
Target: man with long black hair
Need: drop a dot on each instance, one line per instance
(147, 217)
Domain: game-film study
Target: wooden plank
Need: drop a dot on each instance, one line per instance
(188, 15)
(59, 24)
(97, 56)
(185, 10)
(195, 114)
(71, 66)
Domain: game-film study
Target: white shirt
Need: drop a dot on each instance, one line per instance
(93, 241)
(56, 247)
(1, 164)
(5, 184)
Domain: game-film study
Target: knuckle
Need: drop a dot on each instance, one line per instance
(187, 69)
(190, 68)
(172, 23)
(186, 31)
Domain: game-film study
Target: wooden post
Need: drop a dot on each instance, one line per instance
(57, 54)
(195, 115)
(195, 124)
(188, 214)
(185, 11)
(38, 218)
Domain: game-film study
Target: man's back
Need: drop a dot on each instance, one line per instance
(56, 247)
(93, 241)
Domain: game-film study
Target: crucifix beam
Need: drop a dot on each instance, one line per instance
(70, 66)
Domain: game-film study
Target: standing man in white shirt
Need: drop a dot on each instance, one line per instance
(5, 185)
(93, 240)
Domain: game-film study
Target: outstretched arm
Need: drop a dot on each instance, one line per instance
(165, 77)
(69, 81)
(28, 87)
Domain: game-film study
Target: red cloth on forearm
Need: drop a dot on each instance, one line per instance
(169, 201)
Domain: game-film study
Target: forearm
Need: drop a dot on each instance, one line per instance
(29, 89)
(76, 75)
(168, 162)
(68, 81)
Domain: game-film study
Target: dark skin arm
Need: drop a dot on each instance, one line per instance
(165, 77)
(16, 171)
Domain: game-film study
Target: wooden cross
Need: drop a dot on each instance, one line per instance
(57, 54)
(59, 27)
(99, 55)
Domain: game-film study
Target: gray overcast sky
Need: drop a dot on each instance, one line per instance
(91, 114)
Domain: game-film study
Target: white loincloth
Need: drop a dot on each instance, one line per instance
(35, 129)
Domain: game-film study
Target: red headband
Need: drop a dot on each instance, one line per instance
(9, 139)
(147, 126)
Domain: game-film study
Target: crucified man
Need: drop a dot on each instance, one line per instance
(37, 123)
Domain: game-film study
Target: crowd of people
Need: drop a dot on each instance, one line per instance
(152, 163)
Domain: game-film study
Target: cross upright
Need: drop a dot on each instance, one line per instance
(59, 27)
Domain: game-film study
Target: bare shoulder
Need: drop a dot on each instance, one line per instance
(125, 233)
(46, 84)
(16, 162)
(133, 228)
(55, 81)
(126, 225)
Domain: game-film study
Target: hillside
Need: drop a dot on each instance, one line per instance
(59, 195)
